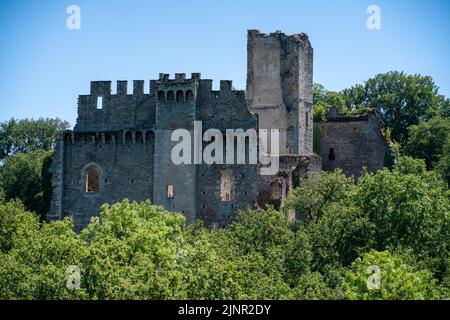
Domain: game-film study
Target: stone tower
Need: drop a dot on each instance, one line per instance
(279, 87)
(175, 187)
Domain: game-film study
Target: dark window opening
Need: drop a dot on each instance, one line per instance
(331, 155)
(139, 137)
(161, 96)
(170, 96)
(180, 96)
(92, 179)
(189, 96)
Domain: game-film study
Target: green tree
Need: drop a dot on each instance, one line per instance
(135, 252)
(339, 236)
(35, 257)
(260, 246)
(443, 166)
(397, 280)
(324, 100)
(25, 176)
(28, 135)
(408, 207)
(402, 100)
(313, 286)
(312, 195)
(427, 140)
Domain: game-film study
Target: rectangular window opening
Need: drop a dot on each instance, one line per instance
(170, 191)
(99, 103)
(225, 186)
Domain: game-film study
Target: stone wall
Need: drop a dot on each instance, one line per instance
(118, 111)
(352, 143)
(279, 87)
(125, 161)
(128, 137)
(222, 110)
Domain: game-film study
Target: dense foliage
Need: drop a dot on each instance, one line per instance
(401, 100)
(27, 135)
(25, 157)
(397, 220)
(25, 176)
(385, 237)
(416, 117)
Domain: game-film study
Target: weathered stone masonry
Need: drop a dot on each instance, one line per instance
(121, 144)
(352, 142)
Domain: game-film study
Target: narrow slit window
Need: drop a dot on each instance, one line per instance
(99, 103)
(170, 193)
(331, 155)
(92, 180)
(225, 186)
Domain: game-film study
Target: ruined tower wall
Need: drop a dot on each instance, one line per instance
(279, 87)
(352, 143)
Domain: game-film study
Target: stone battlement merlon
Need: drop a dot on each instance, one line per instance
(103, 88)
(179, 78)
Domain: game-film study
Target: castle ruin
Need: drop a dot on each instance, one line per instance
(121, 144)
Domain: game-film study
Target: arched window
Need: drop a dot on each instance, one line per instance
(189, 96)
(306, 119)
(92, 179)
(161, 96)
(170, 96)
(180, 96)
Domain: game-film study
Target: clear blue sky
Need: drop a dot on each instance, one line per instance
(44, 66)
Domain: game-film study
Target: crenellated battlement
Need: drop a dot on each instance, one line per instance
(103, 88)
(164, 78)
(102, 109)
(177, 90)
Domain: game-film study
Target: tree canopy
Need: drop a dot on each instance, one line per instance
(395, 220)
(401, 100)
(27, 135)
